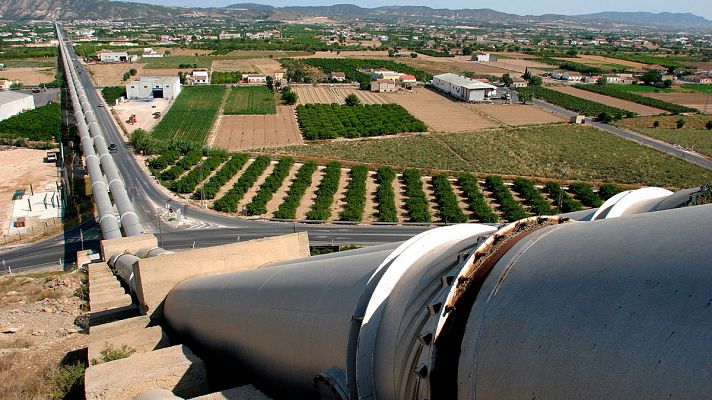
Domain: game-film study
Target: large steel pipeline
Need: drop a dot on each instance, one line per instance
(89, 127)
(544, 308)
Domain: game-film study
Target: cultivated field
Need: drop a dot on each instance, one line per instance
(336, 94)
(21, 168)
(516, 65)
(238, 132)
(696, 100)
(111, 74)
(610, 101)
(346, 54)
(694, 135)
(566, 152)
(267, 66)
(439, 112)
(247, 100)
(234, 65)
(516, 114)
(29, 76)
(601, 60)
(192, 114)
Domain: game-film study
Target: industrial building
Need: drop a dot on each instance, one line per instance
(116, 56)
(463, 88)
(13, 103)
(153, 87)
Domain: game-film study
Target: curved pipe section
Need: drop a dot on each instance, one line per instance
(616, 308)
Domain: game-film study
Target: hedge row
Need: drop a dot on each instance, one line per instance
(231, 199)
(608, 190)
(212, 187)
(164, 160)
(385, 196)
(258, 205)
(584, 192)
(447, 201)
(300, 184)
(613, 91)
(574, 103)
(355, 194)
(481, 211)
(42, 123)
(537, 203)
(189, 182)
(416, 204)
(189, 159)
(321, 209)
(561, 198)
(329, 121)
(511, 209)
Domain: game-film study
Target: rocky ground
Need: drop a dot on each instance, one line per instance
(42, 340)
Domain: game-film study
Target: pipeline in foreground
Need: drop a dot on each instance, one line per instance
(543, 308)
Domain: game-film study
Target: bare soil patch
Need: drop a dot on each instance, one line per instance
(610, 101)
(30, 76)
(234, 65)
(240, 132)
(143, 109)
(517, 114)
(696, 100)
(21, 168)
(347, 54)
(336, 94)
(440, 113)
(267, 66)
(601, 60)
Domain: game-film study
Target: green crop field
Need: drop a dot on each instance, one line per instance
(329, 121)
(694, 135)
(612, 90)
(699, 88)
(641, 88)
(250, 100)
(549, 152)
(192, 114)
(574, 103)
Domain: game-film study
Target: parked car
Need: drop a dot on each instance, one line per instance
(113, 147)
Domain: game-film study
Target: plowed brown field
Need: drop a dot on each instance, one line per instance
(240, 132)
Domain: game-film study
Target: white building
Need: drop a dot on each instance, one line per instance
(13, 103)
(200, 77)
(463, 88)
(383, 86)
(481, 57)
(251, 78)
(116, 56)
(153, 87)
(148, 52)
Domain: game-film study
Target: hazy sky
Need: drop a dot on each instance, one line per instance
(538, 7)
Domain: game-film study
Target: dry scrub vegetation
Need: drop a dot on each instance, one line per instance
(42, 350)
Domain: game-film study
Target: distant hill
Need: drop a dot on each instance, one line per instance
(118, 10)
(682, 20)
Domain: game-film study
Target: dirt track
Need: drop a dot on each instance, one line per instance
(609, 101)
(240, 132)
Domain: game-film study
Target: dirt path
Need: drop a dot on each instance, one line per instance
(369, 214)
(253, 190)
(207, 178)
(281, 193)
(429, 194)
(230, 183)
(218, 120)
(339, 200)
(462, 200)
(308, 198)
(399, 190)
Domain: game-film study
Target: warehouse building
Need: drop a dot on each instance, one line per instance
(153, 87)
(463, 88)
(116, 56)
(13, 103)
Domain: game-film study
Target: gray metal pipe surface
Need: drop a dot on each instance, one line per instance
(618, 308)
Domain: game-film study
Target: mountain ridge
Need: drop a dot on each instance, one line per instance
(105, 9)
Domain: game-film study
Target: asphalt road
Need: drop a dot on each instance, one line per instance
(145, 197)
